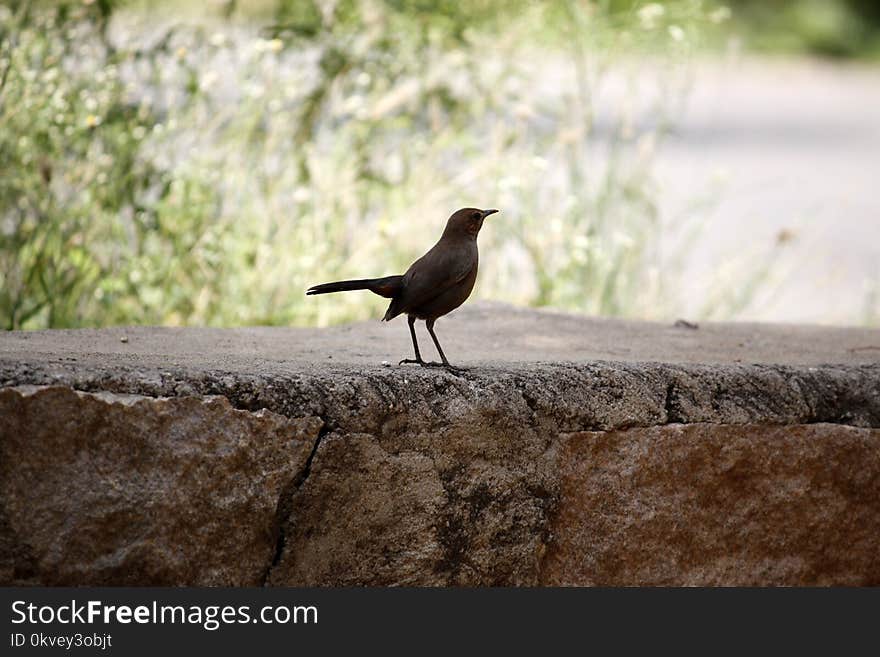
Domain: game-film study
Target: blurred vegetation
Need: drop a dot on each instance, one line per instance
(92, 229)
(207, 170)
(833, 28)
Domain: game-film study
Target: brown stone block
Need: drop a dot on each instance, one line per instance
(708, 504)
(103, 489)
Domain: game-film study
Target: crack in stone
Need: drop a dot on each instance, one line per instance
(756, 393)
(672, 405)
(285, 503)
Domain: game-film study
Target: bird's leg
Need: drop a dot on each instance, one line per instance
(430, 324)
(412, 331)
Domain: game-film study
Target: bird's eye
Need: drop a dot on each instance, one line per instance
(475, 215)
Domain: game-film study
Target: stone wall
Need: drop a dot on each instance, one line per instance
(149, 468)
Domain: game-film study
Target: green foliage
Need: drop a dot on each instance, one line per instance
(208, 175)
(832, 28)
(83, 210)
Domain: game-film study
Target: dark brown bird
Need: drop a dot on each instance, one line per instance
(435, 284)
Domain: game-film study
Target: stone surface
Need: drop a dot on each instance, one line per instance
(477, 334)
(408, 476)
(103, 489)
(464, 504)
(708, 505)
(567, 373)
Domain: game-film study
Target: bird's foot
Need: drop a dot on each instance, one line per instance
(431, 363)
(446, 366)
(419, 361)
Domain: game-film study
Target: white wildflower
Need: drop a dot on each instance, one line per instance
(254, 90)
(353, 103)
(540, 163)
(622, 239)
(720, 15)
(523, 111)
(646, 145)
(208, 80)
(650, 14)
(508, 182)
(268, 45)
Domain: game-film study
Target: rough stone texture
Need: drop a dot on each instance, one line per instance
(708, 505)
(565, 373)
(465, 504)
(478, 333)
(103, 489)
(422, 476)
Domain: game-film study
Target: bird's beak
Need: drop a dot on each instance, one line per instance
(486, 213)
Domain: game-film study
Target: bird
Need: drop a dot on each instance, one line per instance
(434, 285)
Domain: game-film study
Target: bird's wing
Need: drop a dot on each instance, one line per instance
(431, 275)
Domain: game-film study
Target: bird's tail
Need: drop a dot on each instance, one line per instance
(387, 287)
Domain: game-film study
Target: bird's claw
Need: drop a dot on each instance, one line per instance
(431, 363)
(446, 366)
(419, 361)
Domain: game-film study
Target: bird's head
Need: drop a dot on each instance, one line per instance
(466, 221)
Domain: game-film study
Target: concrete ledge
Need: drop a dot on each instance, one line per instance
(572, 451)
